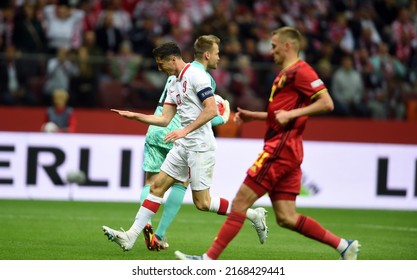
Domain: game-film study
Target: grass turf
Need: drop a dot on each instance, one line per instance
(58, 230)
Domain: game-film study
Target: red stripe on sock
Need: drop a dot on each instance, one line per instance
(312, 229)
(224, 204)
(151, 205)
(228, 231)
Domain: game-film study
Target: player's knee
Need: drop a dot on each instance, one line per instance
(284, 221)
(238, 206)
(201, 206)
(157, 191)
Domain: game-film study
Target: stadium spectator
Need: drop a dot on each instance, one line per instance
(387, 11)
(218, 19)
(156, 9)
(121, 19)
(84, 83)
(366, 42)
(60, 70)
(181, 21)
(387, 72)
(92, 10)
(347, 90)
(341, 34)
(125, 64)
(247, 22)
(368, 21)
(59, 116)
(363, 64)
(29, 35)
(144, 36)
(404, 36)
(63, 26)
(6, 26)
(281, 16)
(108, 36)
(14, 75)
(244, 81)
(90, 42)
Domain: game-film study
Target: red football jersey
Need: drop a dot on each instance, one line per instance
(294, 87)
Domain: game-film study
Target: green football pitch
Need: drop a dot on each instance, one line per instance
(58, 230)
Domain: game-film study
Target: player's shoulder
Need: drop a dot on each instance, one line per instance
(304, 69)
(196, 68)
(197, 73)
(307, 66)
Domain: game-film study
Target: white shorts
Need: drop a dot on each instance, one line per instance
(183, 165)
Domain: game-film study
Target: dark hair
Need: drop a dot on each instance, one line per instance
(166, 50)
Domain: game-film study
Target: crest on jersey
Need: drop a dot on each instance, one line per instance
(279, 85)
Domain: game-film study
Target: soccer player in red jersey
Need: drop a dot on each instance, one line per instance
(297, 92)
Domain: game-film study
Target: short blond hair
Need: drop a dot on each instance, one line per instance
(204, 44)
(289, 34)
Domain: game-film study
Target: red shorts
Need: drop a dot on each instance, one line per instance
(281, 178)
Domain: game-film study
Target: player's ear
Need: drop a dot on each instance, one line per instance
(207, 55)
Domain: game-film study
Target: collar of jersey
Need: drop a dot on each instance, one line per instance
(198, 65)
(292, 64)
(183, 71)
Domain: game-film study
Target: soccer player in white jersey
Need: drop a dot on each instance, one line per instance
(156, 150)
(193, 155)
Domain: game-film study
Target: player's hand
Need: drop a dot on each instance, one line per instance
(226, 113)
(242, 116)
(126, 114)
(282, 117)
(175, 135)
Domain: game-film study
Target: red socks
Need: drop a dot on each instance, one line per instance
(312, 229)
(228, 231)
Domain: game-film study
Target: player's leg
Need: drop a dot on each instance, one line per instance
(201, 166)
(149, 179)
(149, 207)
(287, 217)
(171, 207)
(154, 156)
(283, 197)
(173, 167)
(201, 172)
(244, 199)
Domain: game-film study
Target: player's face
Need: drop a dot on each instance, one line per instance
(277, 50)
(166, 65)
(213, 57)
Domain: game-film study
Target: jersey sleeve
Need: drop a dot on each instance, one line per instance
(308, 82)
(202, 85)
(169, 98)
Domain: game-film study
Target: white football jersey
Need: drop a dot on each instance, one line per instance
(185, 92)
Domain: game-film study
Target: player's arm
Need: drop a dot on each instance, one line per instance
(209, 112)
(243, 115)
(168, 112)
(322, 102)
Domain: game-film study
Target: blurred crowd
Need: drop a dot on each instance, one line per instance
(100, 52)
